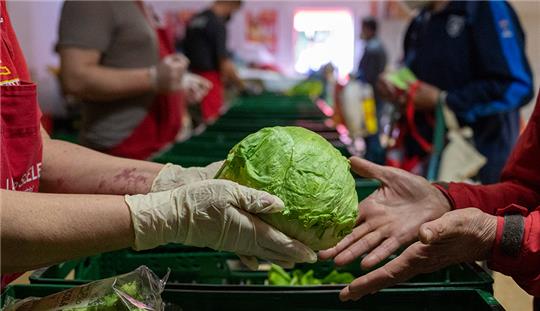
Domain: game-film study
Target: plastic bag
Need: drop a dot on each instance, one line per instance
(138, 290)
(460, 160)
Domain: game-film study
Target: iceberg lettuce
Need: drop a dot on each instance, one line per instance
(311, 177)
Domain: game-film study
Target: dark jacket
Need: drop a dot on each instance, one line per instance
(476, 52)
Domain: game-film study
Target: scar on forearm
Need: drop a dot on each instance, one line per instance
(102, 184)
(129, 175)
(130, 178)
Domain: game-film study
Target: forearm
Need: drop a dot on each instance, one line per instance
(228, 71)
(487, 97)
(43, 229)
(99, 83)
(69, 168)
(83, 76)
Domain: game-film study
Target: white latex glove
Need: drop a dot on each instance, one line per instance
(195, 87)
(173, 176)
(168, 74)
(219, 214)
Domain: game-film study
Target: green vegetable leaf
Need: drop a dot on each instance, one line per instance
(278, 276)
(309, 279)
(338, 278)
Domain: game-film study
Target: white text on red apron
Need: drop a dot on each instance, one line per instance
(33, 173)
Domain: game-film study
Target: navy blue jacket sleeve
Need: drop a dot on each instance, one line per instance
(503, 75)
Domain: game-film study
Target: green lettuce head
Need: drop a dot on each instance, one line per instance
(307, 173)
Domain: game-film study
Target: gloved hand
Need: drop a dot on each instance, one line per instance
(167, 75)
(219, 214)
(195, 87)
(173, 176)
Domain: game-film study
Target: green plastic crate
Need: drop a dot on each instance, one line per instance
(239, 133)
(365, 187)
(200, 147)
(225, 125)
(210, 269)
(441, 299)
(271, 299)
(279, 102)
(254, 114)
(267, 120)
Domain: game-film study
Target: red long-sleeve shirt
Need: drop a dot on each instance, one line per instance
(516, 202)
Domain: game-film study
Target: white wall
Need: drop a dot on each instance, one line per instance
(35, 23)
(286, 11)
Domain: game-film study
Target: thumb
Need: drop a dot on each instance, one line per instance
(369, 169)
(439, 229)
(257, 202)
(210, 171)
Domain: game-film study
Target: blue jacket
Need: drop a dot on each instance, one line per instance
(475, 50)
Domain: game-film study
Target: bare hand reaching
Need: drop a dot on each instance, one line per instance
(390, 217)
(463, 235)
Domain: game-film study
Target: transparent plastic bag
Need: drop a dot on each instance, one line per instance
(137, 290)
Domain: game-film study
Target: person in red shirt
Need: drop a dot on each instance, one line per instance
(92, 202)
(444, 224)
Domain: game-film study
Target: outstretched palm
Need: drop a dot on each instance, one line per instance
(390, 217)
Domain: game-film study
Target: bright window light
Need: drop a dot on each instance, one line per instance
(322, 37)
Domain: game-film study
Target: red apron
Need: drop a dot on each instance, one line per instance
(20, 137)
(213, 101)
(163, 121)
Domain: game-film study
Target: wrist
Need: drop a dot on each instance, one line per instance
(155, 219)
(443, 197)
(169, 177)
(137, 178)
(488, 235)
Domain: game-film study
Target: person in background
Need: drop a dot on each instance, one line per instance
(117, 60)
(448, 223)
(371, 66)
(92, 203)
(469, 55)
(374, 59)
(205, 45)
